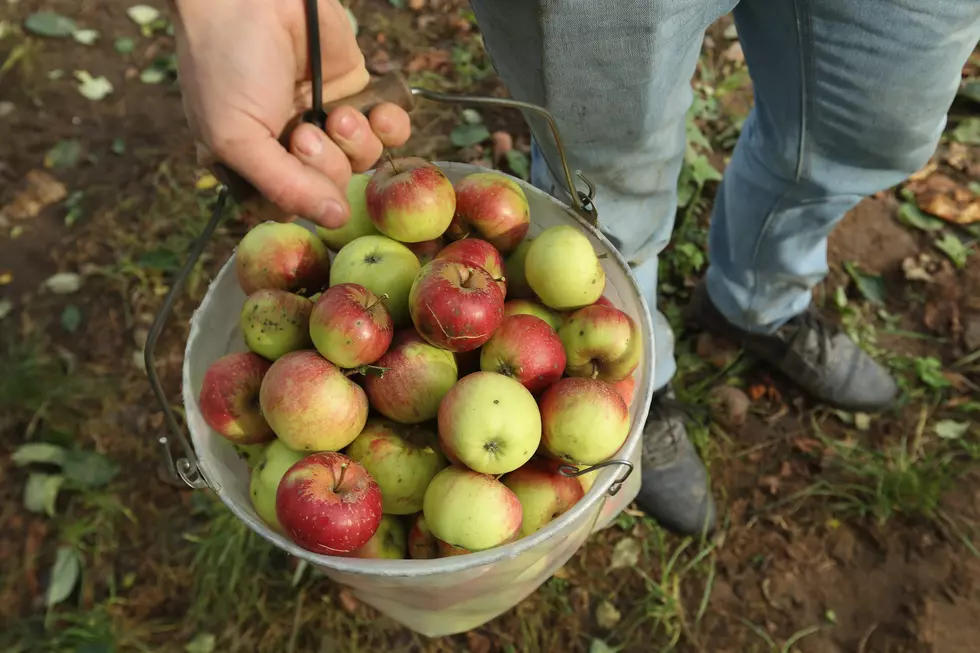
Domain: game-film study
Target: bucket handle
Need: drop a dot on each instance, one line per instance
(390, 88)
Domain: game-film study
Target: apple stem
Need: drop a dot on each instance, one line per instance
(382, 298)
(595, 370)
(391, 161)
(340, 481)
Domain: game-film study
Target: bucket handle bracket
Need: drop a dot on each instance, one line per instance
(573, 471)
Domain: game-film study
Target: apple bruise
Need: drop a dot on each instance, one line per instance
(601, 342)
(439, 313)
(314, 503)
(229, 398)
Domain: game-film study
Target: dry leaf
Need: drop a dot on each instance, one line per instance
(924, 173)
(416, 5)
(770, 483)
(439, 61)
(970, 214)
(939, 205)
(606, 615)
(625, 554)
(807, 445)
(757, 392)
(40, 190)
(920, 268)
(730, 406)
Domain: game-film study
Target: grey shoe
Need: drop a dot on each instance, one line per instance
(811, 352)
(674, 487)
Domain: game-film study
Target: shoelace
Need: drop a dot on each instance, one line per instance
(808, 323)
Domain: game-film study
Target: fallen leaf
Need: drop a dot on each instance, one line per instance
(64, 575)
(40, 190)
(871, 286)
(949, 429)
(118, 145)
(41, 492)
(89, 469)
(71, 318)
(518, 163)
(954, 248)
(142, 15)
(64, 154)
(606, 615)
(86, 36)
(959, 382)
(93, 88)
(924, 172)
(48, 23)
(967, 132)
(599, 646)
(862, 421)
(920, 268)
(912, 215)
(807, 445)
(940, 205)
(202, 643)
(731, 32)
(625, 554)
(6, 277)
(64, 283)
(124, 45)
(6, 108)
(153, 75)
(729, 405)
(970, 214)
(416, 5)
(6, 308)
(466, 135)
(770, 483)
(38, 452)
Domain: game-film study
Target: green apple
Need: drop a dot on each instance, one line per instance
(276, 322)
(543, 492)
(389, 541)
(529, 307)
(470, 510)
(359, 223)
(490, 423)
(383, 266)
(584, 421)
(265, 478)
(563, 269)
(517, 286)
(251, 453)
(402, 459)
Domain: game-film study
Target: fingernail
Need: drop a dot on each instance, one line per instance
(333, 214)
(309, 142)
(347, 126)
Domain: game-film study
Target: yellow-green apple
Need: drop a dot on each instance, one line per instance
(626, 389)
(527, 349)
(328, 503)
(479, 253)
(427, 249)
(584, 421)
(517, 285)
(401, 458)
(383, 266)
(229, 398)
(530, 307)
(455, 305)
(389, 541)
(471, 510)
(311, 404)
(495, 206)
(490, 423)
(410, 199)
(544, 494)
(563, 269)
(282, 256)
(447, 550)
(275, 322)
(601, 342)
(414, 378)
(421, 541)
(359, 223)
(264, 481)
(350, 325)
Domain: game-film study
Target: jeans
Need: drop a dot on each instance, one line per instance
(850, 99)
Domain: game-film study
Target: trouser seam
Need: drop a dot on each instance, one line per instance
(803, 37)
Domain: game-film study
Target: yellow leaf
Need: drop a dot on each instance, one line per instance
(206, 181)
(6, 277)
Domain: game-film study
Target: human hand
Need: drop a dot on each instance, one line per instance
(245, 75)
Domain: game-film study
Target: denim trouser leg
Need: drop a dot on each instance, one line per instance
(851, 97)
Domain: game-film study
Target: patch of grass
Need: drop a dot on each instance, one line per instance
(773, 647)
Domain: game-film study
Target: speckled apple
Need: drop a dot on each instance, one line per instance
(410, 199)
(479, 253)
(282, 256)
(415, 378)
(584, 421)
(229, 398)
(276, 322)
(470, 510)
(311, 404)
(526, 349)
(495, 206)
(329, 504)
(350, 325)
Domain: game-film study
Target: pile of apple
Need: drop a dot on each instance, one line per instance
(415, 395)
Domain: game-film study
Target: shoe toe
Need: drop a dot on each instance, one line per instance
(678, 496)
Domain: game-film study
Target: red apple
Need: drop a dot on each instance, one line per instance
(328, 503)
(583, 421)
(427, 249)
(529, 307)
(421, 541)
(311, 404)
(526, 348)
(543, 492)
(626, 389)
(455, 305)
(389, 541)
(447, 550)
(495, 206)
(229, 398)
(282, 256)
(479, 253)
(350, 325)
(604, 301)
(415, 377)
(601, 342)
(410, 200)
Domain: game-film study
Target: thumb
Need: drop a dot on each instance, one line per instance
(284, 180)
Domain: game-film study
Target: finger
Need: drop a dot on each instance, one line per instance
(313, 148)
(285, 181)
(351, 131)
(391, 123)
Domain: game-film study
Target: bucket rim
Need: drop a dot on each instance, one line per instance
(408, 567)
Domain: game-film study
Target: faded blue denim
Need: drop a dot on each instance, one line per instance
(850, 98)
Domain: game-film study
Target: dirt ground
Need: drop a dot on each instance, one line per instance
(841, 532)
